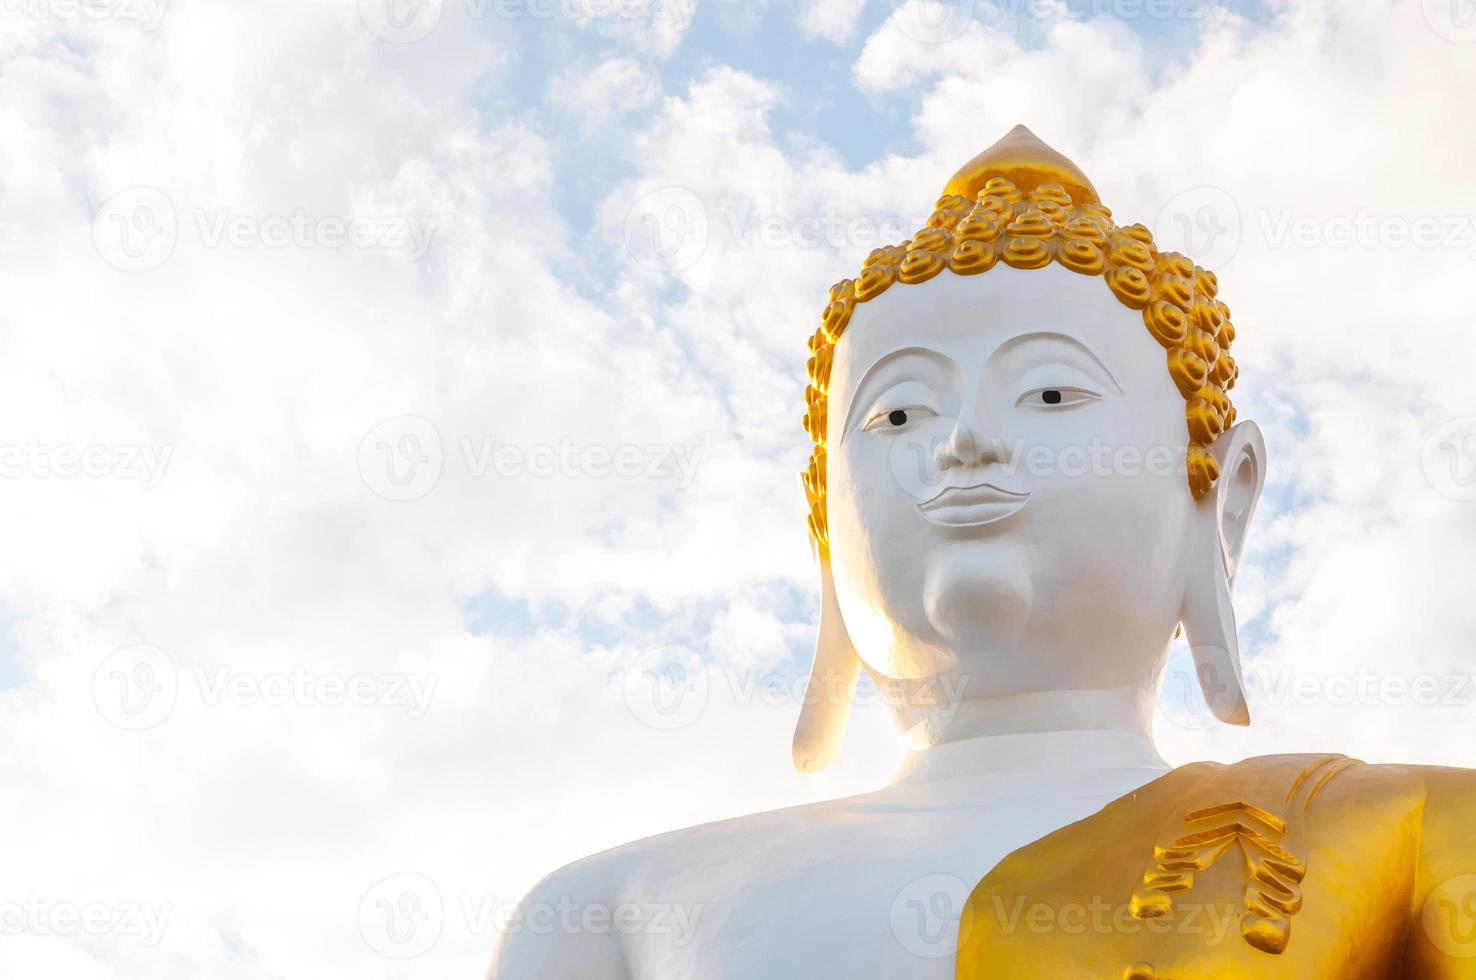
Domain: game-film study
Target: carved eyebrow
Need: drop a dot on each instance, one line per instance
(858, 397)
(1053, 337)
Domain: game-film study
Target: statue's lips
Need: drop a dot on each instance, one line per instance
(983, 503)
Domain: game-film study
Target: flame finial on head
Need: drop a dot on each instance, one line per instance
(1024, 160)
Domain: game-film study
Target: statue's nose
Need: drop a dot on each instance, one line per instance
(964, 446)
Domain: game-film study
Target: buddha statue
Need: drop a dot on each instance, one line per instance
(1027, 477)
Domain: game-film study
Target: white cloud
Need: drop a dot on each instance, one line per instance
(604, 92)
(834, 20)
(653, 27)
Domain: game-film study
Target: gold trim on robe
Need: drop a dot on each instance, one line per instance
(1290, 866)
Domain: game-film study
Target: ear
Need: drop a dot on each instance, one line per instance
(1222, 520)
(827, 703)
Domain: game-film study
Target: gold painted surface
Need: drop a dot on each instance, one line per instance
(1024, 161)
(1023, 204)
(1306, 867)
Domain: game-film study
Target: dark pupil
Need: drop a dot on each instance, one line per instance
(897, 417)
(1051, 396)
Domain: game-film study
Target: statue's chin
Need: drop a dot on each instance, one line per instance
(975, 603)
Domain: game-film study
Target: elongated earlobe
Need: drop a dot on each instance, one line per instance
(827, 704)
(1221, 523)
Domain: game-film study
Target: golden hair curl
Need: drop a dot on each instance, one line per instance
(1030, 231)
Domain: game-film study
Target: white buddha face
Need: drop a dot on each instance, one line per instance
(1007, 500)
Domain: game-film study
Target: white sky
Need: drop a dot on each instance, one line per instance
(257, 259)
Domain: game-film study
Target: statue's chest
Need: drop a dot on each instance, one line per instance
(870, 893)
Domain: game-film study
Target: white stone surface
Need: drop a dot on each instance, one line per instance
(1011, 592)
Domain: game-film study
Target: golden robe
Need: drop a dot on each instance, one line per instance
(1293, 866)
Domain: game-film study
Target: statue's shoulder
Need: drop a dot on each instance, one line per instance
(1439, 801)
(1317, 778)
(1450, 799)
(539, 940)
(533, 942)
(1294, 859)
(1401, 836)
(670, 875)
(704, 847)
(1327, 796)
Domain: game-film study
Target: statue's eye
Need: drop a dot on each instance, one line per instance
(1058, 397)
(885, 419)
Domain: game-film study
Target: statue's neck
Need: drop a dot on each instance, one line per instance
(1045, 732)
